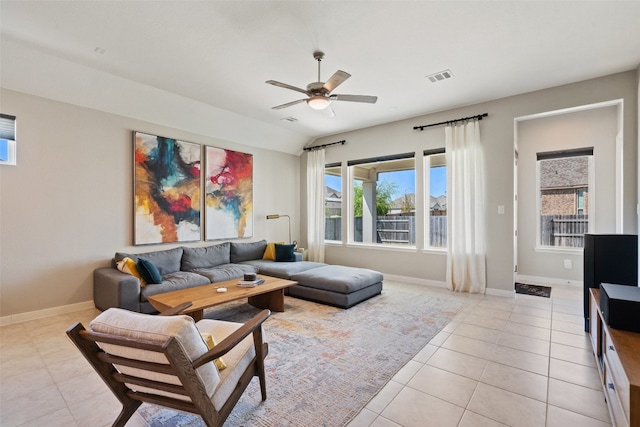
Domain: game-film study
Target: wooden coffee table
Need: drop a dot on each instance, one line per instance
(269, 295)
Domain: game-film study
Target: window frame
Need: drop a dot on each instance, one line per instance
(355, 169)
(578, 152)
(440, 159)
(337, 166)
(8, 139)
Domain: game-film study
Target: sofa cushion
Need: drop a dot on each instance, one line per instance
(173, 282)
(283, 270)
(167, 261)
(246, 251)
(334, 298)
(207, 257)
(139, 326)
(225, 272)
(284, 253)
(338, 278)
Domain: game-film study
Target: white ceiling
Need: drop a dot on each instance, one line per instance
(218, 54)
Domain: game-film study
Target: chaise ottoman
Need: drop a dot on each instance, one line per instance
(337, 285)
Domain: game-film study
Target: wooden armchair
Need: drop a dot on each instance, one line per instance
(164, 360)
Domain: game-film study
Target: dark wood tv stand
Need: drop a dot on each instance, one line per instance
(617, 355)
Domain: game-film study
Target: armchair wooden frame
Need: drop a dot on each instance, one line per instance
(179, 366)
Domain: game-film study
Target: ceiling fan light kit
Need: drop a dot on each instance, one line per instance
(318, 102)
(319, 93)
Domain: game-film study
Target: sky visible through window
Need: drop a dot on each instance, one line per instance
(405, 182)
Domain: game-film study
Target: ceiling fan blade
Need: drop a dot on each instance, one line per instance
(328, 112)
(288, 104)
(336, 80)
(355, 98)
(286, 86)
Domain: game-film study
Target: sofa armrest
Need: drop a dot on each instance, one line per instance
(113, 288)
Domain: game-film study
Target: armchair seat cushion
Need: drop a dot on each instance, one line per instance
(237, 360)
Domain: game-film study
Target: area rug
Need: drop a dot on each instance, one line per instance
(537, 290)
(326, 363)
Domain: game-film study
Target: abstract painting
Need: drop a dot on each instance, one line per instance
(166, 190)
(228, 194)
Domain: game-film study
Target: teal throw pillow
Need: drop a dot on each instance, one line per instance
(284, 253)
(148, 271)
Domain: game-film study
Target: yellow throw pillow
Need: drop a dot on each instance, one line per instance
(208, 339)
(270, 251)
(127, 265)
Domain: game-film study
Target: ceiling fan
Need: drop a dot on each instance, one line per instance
(318, 93)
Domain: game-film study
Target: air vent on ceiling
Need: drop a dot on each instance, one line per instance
(438, 77)
(289, 119)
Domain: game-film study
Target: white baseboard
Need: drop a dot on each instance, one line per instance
(417, 281)
(38, 314)
(443, 285)
(500, 293)
(549, 280)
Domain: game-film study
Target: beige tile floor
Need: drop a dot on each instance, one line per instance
(521, 361)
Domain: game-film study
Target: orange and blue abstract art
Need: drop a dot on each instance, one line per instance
(228, 194)
(167, 186)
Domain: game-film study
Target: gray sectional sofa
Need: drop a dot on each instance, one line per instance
(186, 267)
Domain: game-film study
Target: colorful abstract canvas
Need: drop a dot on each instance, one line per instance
(228, 194)
(166, 190)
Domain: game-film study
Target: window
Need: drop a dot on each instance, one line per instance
(7, 139)
(333, 202)
(563, 186)
(383, 203)
(435, 166)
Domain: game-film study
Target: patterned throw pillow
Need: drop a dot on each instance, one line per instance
(128, 266)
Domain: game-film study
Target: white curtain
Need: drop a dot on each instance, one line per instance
(315, 205)
(466, 254)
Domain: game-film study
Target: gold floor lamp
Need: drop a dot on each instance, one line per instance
(276, 216)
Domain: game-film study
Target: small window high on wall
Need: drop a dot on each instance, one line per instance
(7, 139)
(565, 197)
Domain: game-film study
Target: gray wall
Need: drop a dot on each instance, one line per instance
(595, 128)
(497, 132)
(67, 207)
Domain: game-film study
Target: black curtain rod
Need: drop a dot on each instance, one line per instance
(479, 117)
(317, 147)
